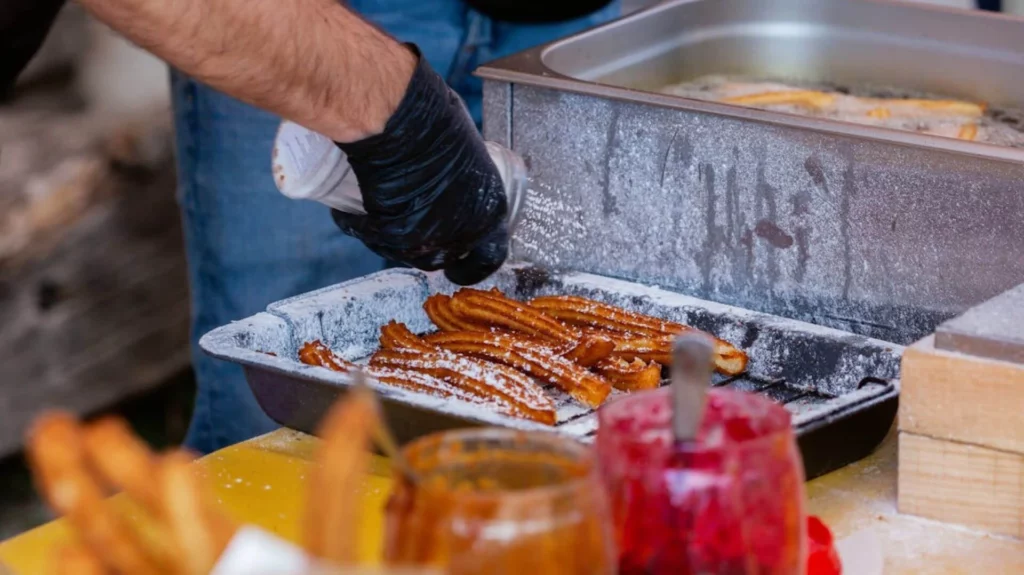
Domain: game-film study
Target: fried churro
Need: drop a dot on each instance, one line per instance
(633, 375)
(807, 98)
(316, 353)
(59, 463)
(122, 460)
(537, 361)
(199, 529)
(495, 309)
(63, 455)
(968, 132)
(397, 336)
(331, 526)
(583, 312)
(509, 391)
(636, 336)
(728, 359)
(439, 309)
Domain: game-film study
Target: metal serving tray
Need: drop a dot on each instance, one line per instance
(866, 229)
(841, 388)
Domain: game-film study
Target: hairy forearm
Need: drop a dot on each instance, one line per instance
(311, 61)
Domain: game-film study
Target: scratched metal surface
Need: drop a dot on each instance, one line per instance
(873, 237)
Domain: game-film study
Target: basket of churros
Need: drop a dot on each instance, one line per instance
(534, 350)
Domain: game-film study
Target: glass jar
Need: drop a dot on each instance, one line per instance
(500, 502)
(730, 502)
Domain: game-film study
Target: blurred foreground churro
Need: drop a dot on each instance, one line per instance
(76, 466)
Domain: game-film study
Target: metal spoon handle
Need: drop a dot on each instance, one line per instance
(692, 365)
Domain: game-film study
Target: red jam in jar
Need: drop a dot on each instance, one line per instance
(728, 503)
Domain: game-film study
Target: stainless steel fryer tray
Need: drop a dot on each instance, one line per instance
(825, 377)
(871, 230)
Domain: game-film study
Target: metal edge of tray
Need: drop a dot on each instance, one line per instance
(528, 68)
(862, 426)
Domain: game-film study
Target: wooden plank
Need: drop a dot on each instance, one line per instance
(93, 287)
(991, 329)
(961, 483)
(958, 397)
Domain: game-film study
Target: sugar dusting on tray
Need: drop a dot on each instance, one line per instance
(875, 106)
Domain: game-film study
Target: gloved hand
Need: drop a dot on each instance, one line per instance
(433, 196)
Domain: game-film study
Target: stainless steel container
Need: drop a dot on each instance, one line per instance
(866, 229)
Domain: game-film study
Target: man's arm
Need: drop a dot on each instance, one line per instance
(311, 61)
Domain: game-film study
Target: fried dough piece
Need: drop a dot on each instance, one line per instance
(636, 336)
(193, 532)
(397, 336)
(195, 524)
(633, 375)
(122, 460)
(316, 353)
(586, 387)
(807, 98)
(439, 310)
(57, 458)
(507, 390)
(77, 559)
(968, 132)
(728, 359)
(320, 355)
(495, 309)
(584, 312)
(331, 524)
(952, 107)
(591, 349)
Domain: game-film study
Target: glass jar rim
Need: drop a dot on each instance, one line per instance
(581, 454)
(613, 407)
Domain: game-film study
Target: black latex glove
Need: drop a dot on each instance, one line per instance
(23, 27)
(433, 196)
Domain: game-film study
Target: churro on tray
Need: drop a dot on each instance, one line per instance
(537, 361)
(633, 375)
(506, 390)
(473, 310)
(439, 374)
(635, 335)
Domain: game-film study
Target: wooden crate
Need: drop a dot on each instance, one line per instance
(961, 452)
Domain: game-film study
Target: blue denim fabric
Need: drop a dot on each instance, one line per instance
(247, 244)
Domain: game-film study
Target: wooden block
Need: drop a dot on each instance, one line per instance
(960, 483)
(959, 397)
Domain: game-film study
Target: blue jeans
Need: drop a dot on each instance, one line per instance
(247, 244)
